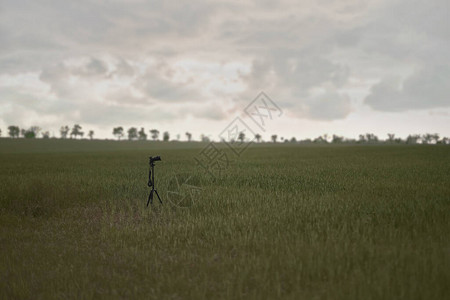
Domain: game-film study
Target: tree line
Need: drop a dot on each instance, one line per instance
(34, 131)
(134, 134)
(76, 131)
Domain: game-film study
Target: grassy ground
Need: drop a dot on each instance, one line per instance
(292, 222)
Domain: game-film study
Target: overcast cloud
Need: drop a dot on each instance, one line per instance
(110, 63)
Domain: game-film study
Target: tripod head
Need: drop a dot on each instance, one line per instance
(153, 159)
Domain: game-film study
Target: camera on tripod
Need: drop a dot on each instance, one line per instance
(155, 158)
(151, 180)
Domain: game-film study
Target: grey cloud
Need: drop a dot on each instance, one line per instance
(58, 76)
(305, 72)
(427, 88)
(95, 67)
(75, 27)
(116, 114)
(123, 68)
(23, 105)
(415, 37)
(27, 109)
(404, 32)
(211, 110)
(330, 106)
(295, 76)
(124, 96)
(154, 85)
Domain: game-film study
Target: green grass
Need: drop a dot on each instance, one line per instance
(284, 221)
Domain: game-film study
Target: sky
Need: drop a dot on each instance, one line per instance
(341, 67)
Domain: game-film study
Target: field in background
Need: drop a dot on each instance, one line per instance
(284, 221)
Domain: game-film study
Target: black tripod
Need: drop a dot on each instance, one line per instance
(151, 180)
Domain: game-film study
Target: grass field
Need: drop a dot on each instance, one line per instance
(284, 221)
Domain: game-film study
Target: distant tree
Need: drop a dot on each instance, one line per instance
(362, 138)
(64, 131)
(337, 139)
(91, 134)
(391, 137)
(32, 132)
(0, 133)
(35, 129)
(166, 136)
(320, 140)
(445, 140)
(258, 137)
(189, 136)
(293, 140)
(241, 136)
(29, 134)
(118, 132)
(132, 133)
(142, 134)
(45, 134)
(178, 137)
(76, 131)
(427, 138)
(435, 137)
(155, 134)
(371, 138)
(13, 131)
(274, 138)
(22, 132)
(204, 138)
(412, 139)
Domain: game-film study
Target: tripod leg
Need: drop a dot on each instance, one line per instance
(158, 196)
(150, 198)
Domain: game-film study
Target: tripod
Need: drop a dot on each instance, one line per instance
(151, 180)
